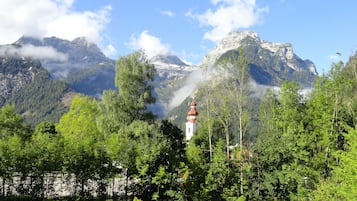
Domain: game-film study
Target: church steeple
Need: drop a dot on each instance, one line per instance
(191, 123)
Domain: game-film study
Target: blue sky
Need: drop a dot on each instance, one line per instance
(317, 29)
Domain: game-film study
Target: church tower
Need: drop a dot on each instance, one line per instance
(191, 124)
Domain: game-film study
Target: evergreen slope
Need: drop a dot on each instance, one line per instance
(42, 100)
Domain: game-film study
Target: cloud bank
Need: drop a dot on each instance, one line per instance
(150, 44)
(33, 52)
(228, 16)
(46, 18)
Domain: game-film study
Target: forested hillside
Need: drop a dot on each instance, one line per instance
(305, 148)
(43, 99)
(30, 88)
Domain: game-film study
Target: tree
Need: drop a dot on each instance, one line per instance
(126, 121)
(44, 153)
(194, 177)
(151, 153)
(342, 184)
(112, 115)
(11, 149)
(13, 136)
(217, 175)
(236, 65)
(221, 109)
(282, 144)
(11, 123)
(266, 144)
(172, 160)
(208, 97)
(334, 104)
(82, 142)
(329, 116)
(134, 77)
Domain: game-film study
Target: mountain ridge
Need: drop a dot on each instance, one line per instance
(270, 63)
(79, 52)
(235, 39)
(87, 70)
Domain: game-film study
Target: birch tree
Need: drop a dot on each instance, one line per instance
(236, 66)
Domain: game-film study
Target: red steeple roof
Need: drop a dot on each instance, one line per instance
(192, 114)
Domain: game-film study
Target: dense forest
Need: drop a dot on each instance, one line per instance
(305, 147)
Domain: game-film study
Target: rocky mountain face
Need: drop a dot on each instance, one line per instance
(79, 51)
(87, 70)
(15, 74)
(269, 63)
(172, 60)
(27, 85)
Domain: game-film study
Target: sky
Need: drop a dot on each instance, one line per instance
(319, 30)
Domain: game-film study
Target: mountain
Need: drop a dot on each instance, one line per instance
(269, 63)
(15, 74)
(29, 86)
(80, 51)
(83, 68)
(167, 59)
(87, 70)
(171, 75)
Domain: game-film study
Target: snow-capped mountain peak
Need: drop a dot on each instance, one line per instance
(233, 40)
(167, 60)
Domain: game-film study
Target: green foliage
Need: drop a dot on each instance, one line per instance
(152, 154)
(342, 184)
(11, 124)
(306, 147)
(134, 77)
(82, 142)
(281, 146)
(217, 174)
(10, 152)
(45, 127)
(112, 114)
(136, 199)
(44, 155)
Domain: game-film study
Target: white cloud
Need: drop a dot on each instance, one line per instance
(167, 13)
(42, 18)
(229, 15)
(150, 44)
(109, 50)
(33, 52)
(190, 86)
